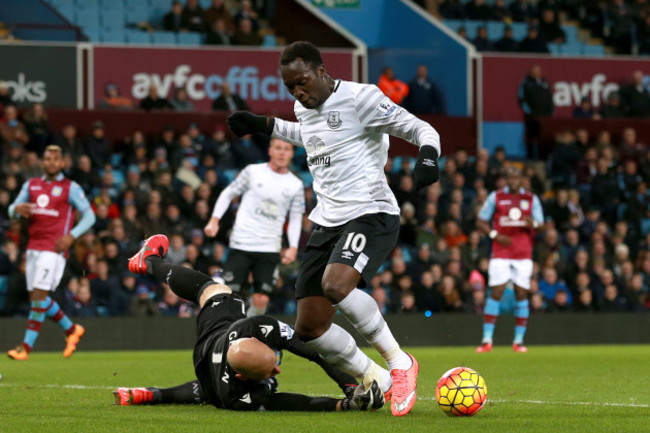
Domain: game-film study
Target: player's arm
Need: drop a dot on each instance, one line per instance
(485, 215)
(78, 200)
(21, 206)
(377, 113)
(244, 122)
(296, 212)
(236, 188)
(536, 221)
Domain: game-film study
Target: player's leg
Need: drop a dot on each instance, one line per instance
(186, 283)
(360, 250)
(523, 271)
(498, 276)
(237, 268)
(187, 393)
(265, 277)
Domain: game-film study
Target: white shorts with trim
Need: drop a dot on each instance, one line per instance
(501, 271)
(43, 270)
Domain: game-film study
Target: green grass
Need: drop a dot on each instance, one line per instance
(550, 389)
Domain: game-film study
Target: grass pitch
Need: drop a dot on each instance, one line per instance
(549, 389)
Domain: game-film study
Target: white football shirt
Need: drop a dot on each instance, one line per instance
(346, 140)
(267, 197)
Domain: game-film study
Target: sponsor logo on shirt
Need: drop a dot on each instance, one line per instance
(334, 119)
(319, 160)
(266, 329)
(268, 209)
(42, 200)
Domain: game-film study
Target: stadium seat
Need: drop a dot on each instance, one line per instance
(113, 36)
(138, 37)
(269, 41)
(67, 12)
(63, 3)
(87, 4)
(472, 27)
(495, 30)
(230, 174)
(112, 20)
(189, 39)
(454, 24)
(92, 35)
(87, 19)
(593, 50)
(519, 31)
(136, 14)
(571, 33)
(555, 49)
(573, 49)
(167, 38)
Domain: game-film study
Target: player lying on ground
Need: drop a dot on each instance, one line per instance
(237, 358)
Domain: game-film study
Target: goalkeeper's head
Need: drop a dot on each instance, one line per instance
(252, 359)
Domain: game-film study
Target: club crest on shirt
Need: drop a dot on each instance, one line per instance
(56, 191)
(524, 204)
(334, 119)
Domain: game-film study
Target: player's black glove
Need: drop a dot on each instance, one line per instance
(244, 122)
(371, 399)
(349, 389)
(426, 170)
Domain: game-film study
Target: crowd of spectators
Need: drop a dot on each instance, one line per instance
(224, 23)
(594, 255)
(623, 24)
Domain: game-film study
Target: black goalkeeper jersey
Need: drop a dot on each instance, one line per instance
(217, 378)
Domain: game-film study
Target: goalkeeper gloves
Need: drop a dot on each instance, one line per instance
(370, 399)
(244, 122)
(426, 170)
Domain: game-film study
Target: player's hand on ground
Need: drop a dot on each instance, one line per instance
(24, 209)
(211, 228)
(426, 170)
(503, 240)
(64, 242)
(243, 123)
(364, 399)
(289, 255)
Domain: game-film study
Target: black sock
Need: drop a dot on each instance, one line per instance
(186, 283)
(187, 393)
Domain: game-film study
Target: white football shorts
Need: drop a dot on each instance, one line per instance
(520, 271)
(43, 270)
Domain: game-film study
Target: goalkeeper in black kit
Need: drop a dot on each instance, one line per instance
(236, 359)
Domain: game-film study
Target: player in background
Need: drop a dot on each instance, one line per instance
(344, 128)
(236, 358)
(510, 217)
(49, 202)
(269, 191)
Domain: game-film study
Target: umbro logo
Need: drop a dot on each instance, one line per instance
(266, 329)
(429, 162)
(347, 255)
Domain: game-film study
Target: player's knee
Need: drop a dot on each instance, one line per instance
(213, 290)
(335, 290)
(309, 331)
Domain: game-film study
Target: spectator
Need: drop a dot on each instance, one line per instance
(477, 10)
(612, 302)
(424, 95)
(395, 89)
(522, 11)
(635, 97)
(181, 102)
(612, 107)
(98, 147)
(173, 306)
(549, 285)
(143, 304)
(549, 28)
(36, 126)
(630, 148)
(560, 301)
(245, 34)
(621, 17)
(246, 12)
(507, 43)
(83, 304)
(500, 12)
(218, 34)
(564, 159)
(535, 96)
(451, 9)
(153, 101)
(193, 15)
(175, 21)
(113, 99)
(5, 95)
(218, 11)
(644, 36)
(104, 288)
(452, 302)
(584, 110)
(533, 42)
(11, 129)
(229, 101)
(482, 42)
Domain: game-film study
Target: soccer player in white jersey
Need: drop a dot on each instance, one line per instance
(49, 203)
(344, 128)
(269, 191)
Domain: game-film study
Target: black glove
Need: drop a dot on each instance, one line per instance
(371, 399)
(426, 170)
(244, 122)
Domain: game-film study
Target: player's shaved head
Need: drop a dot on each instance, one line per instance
(252, 359)
(301, 50)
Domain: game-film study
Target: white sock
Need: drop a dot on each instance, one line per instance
(362, 311)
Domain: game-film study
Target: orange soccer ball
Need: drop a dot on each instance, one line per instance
(461, 391)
